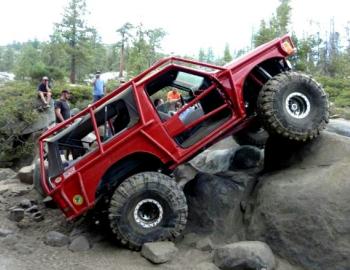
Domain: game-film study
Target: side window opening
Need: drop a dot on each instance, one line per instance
(186, 87)
(79, 138)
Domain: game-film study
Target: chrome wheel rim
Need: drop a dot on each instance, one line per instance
(148, 213)
(297, 105)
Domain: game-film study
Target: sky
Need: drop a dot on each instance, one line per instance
(190, 25)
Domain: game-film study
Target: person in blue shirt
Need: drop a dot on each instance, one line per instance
(99, 87)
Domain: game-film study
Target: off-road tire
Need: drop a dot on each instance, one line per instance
(293, 105)
(254, 135)
(156, 191)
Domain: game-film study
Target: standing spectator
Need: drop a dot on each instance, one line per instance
(62, 109)
(99, 87)
(44, 91)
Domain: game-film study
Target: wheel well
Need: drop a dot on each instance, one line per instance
(126, 167)
(257, 77)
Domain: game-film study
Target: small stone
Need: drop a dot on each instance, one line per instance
(32, 209)
(25, 175)
(56, 239)
(81, 243)
(25, 203)
(159, 252)
(205, 244)
(5, 232)
(16, 214)
(37, 216)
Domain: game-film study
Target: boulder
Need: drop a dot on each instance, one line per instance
(246, 157)
(25, 174)
(80, 243)
(214, 204)
(56, 239)
(248, 255)
(159, 252)
(303, 211)
(213, 161)
(6, 173)
(205, 244)
(339, 126)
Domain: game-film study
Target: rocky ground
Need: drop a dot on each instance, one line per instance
(294, 211)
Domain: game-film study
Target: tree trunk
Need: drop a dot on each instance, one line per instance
(121, 65)
(72, 69)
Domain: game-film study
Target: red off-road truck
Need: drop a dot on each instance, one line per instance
(121, 151)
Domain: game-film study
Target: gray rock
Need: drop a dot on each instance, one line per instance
(15, 188)
(302, 212)
(246, 157)
(5, 232)
(37, 216)
(213, 161)
(205, 266)
(56, 239)
(245, 255)
(339, 126)
(6, 173)
(25, 174)
(16, 214)
(81, 243)
(205, 244)
(32, 209)
(190, 239)
(159, 252)
(214, 204)
(185, 173)
(25, 203)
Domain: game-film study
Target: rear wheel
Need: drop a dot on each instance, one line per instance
(293, 105)
(147, 207)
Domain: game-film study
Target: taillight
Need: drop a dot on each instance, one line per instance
(287, 47)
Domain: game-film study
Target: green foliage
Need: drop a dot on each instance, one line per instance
(17, 100)
(80, 39)
(277, 26)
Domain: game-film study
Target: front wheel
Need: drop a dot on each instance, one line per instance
(293, 105)
(147, 207)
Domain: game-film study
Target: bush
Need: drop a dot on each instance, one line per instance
(16, 114)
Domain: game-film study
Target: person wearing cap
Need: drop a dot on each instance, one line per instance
(62, 109)
(44, 91)
(99, 87)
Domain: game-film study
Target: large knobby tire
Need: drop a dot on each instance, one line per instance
(254, 135)
(293, 105)
(147, 207)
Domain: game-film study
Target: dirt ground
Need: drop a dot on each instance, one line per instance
(25, 248)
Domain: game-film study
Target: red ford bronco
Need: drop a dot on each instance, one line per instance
(118, 154)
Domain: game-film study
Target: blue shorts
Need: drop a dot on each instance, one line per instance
(98, 97)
